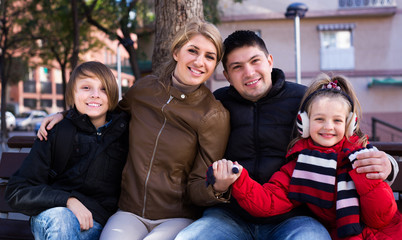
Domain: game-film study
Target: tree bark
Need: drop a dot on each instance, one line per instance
(76, 41)
(171, 16)
(4, 46)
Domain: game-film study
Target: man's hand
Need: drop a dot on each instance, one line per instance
(376, 165)
(224, 176)
(47, 124)
(82, 213)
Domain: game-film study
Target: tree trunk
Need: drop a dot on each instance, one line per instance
(171, 16)
(64, 81)
(133, 60)
(3, 41)
(3, 101)
(76, 40)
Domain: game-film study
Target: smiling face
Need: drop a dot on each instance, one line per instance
(328, 120)
(90, 98)
(196, 61)
(249, 72)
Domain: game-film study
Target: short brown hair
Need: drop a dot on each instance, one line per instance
(99, 71)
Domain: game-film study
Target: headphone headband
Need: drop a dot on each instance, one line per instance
(313, 94)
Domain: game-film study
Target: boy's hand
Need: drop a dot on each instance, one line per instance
(224, 176)
(82, 213)
(47, 124)
(376, 165)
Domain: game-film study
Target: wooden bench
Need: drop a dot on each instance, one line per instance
(394, 149)
(13, 225)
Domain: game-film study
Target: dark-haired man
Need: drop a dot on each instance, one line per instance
(263, 107)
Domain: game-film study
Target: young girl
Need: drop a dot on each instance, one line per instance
(76, 203)
(320, 172)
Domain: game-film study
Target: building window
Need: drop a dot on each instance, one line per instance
(43, 74)
(46, 87)
(30, 103)
(337, 51)
(46, 103)
(31, 74)
(60, 103)
(366, 3)
(59, 88)
(29, 87)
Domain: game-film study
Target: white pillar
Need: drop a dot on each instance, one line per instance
(297, 49)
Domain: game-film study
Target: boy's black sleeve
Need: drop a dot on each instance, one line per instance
(28, 190)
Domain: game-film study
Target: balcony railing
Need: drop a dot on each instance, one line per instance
(344, 4)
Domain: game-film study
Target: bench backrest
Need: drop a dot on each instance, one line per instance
(9, 164)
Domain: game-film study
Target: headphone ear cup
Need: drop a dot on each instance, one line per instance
(303, 124)
(352, 120)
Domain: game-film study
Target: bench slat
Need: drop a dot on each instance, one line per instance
(15, 229)
(21, 141)
(10, 162)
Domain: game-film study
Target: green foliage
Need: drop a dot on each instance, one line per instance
(13, 41)
(52, 31)
(212, 12)
(124, 15)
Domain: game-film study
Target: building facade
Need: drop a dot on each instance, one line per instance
(43, 88)
(360, 39)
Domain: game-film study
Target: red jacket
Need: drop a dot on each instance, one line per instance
(377, 204)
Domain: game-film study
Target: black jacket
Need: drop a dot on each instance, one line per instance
(92, 174)
(261, 131)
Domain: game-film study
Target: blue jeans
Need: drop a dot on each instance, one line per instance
(221, 224)
(60, 223)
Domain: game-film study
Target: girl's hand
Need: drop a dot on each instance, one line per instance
(47, 124)
(224, 177)
(82, 213)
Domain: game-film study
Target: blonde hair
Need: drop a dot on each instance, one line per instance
(96, 70)
(191, 29)
(346, 93)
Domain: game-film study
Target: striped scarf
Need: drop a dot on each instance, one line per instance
(317, 171)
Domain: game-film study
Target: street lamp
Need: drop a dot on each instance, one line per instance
(297, 11)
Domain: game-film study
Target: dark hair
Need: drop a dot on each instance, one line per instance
(240, 39)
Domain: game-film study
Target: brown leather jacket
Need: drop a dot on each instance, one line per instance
(174, 137)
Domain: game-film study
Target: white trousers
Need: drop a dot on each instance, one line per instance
(128, 226)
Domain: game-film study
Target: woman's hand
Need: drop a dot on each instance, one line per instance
(224, 176)
(82, 213)
(47, 124)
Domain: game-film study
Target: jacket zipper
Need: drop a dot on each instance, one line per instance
(153, 155)
(257, 140)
